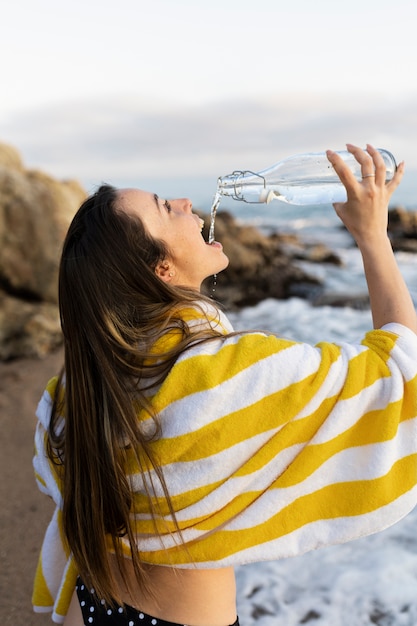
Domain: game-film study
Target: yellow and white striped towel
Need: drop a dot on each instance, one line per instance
(269, 448)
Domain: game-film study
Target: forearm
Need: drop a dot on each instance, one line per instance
(389, 296)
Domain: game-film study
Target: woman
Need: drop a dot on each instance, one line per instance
(175, 449)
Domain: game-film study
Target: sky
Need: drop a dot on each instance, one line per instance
(133, 92)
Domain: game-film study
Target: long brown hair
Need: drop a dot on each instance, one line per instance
(113, 309)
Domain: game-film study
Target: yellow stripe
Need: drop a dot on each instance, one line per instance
(206, 371)
(269, 412)
(381, 342)
(331, 502)
(39, 479)
(374, 427)
(266, 414)
(41, 595)
(174, 335)
(51, 386)
(365, 369)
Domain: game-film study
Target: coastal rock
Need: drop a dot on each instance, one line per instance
(35, 212)
(10, 157)
(261, 266)
(294, 248)
(402, 229)
(27, 328)
(358, 301)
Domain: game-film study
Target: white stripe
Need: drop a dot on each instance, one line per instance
(366, 462)
(54, 558)
(261, 379)
(346, 413)
(43, 411)
(360, 463)
(42, 467)
(183, 476)
(309, 537)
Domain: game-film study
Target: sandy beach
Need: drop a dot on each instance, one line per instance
(25, 512)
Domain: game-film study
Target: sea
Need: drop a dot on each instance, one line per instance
(296, 318)
(369, 581)
(372, 580)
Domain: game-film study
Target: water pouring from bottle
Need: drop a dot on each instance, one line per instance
(213, 212)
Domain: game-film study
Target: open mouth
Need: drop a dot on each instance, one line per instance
(214, 244)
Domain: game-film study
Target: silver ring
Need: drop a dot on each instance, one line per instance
(368, 176)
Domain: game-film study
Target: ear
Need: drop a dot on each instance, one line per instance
(165, 271)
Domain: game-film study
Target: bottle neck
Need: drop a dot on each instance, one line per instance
(243, 185)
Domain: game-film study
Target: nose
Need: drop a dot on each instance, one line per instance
(184, 204)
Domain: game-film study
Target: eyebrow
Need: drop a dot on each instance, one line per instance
(156, 198)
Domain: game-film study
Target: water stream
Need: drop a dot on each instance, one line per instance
(213, 212)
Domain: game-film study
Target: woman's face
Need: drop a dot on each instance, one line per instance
(191, 259)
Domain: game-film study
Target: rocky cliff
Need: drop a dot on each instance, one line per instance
(35, 211)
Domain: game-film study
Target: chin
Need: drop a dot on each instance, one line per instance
(224, 262)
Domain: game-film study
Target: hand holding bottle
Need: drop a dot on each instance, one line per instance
(365, 215)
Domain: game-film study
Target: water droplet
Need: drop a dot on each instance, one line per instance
(213, 289)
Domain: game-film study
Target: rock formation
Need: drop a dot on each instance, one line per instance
(402, 229)
(261, 266)
(35, 211)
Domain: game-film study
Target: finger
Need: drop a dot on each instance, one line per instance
(341, 168)
(380, 170)
(364, 159)
(366, 162)
(396, 179)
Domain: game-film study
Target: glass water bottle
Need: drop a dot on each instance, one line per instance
(301, 179)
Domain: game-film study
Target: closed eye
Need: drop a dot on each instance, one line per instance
(165, 203)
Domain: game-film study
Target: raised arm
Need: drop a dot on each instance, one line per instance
(365, 215)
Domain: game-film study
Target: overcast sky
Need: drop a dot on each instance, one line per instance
(133, 89)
